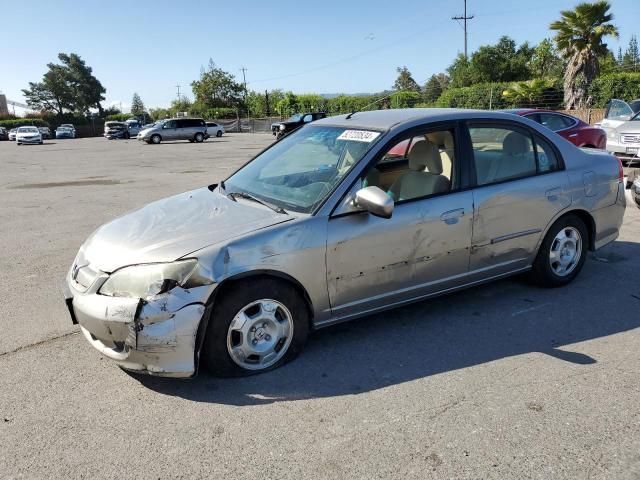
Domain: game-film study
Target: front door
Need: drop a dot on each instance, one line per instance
(423, 248)
(169, 130)
(521, 187)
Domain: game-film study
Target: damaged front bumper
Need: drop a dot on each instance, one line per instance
(160, 336)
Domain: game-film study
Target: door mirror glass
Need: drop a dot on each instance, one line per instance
(375, 201)
(307, 118)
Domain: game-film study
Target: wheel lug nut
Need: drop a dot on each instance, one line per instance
(253, 329)
(268, 337)
(264, 325)
(255, 342)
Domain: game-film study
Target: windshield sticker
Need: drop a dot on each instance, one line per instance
(359, 135)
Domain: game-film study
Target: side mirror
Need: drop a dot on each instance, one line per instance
(375, 201)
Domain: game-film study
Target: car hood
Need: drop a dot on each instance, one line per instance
(171, 228)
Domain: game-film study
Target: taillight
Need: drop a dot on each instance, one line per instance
(620, 170)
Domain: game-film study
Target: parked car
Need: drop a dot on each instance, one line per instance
(635, 191)
(192, 129)
(12, 134)
(114, 129)
(133, 126)
(280, 129)
(580, 133)
(28, 135)
(4, 134)
(622, 124)
(45, 132)
(70, 127)
(238, 274)
(65, 132)
(214, 129)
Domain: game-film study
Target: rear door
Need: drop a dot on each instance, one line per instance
(520, 186)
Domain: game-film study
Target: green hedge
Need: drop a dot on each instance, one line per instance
(625, 86)
(119, 117)
(23, 122)
(481, 95)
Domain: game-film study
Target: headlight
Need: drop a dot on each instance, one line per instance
(281, 127)
(145, 281)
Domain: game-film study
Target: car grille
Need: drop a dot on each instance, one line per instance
(630, 138)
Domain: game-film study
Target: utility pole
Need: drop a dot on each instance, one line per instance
(178, 87)
(266, 100)
(464, 18)
(244, 81)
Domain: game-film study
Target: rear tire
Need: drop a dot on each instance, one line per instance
(199, 137)
(562, 253)
(252, 317)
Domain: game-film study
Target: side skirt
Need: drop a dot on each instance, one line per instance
(364, 313)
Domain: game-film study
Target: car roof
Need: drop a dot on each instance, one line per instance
(386, 119)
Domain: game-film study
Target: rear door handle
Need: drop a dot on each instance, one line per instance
(573, 135)
(452, 216)
(552, 193)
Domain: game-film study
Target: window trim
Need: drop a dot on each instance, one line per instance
(461, 166)
(500, 123)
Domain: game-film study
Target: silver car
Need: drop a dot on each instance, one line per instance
(622, 124)
(191, 129)
(346, 216)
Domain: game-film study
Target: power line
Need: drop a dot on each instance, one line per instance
(464, 18)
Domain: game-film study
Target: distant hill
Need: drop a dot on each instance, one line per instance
(334, 95)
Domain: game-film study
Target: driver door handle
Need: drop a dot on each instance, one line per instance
(452, 216)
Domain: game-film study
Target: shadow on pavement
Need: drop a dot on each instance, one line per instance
(468, 328)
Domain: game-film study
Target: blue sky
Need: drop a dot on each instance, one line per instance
(303, 46)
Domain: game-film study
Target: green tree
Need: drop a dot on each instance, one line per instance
(137, 107)
(217, 88)
(545, 61)
(87, 89)
(432, 89)
(631, 57)
(460, 72)
(502, 62)
(579, 37)
(288, 105)
(405, 82)
(53, 93)
(68, 87)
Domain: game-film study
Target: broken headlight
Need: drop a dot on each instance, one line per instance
(146, 281)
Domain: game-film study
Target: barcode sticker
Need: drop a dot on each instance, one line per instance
(359, 135)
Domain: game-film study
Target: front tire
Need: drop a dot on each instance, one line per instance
(562, 253)
(199, 137)
(219, 133)
(255, 326)
(156, 139)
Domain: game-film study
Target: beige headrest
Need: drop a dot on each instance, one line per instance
(425, 154)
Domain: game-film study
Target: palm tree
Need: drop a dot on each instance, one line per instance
(527, 94)
(579, 37)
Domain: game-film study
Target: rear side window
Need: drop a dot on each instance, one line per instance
(504, 153)
(556, 122)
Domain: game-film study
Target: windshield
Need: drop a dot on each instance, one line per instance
(299, 172)
(295, 118)
(27, 130)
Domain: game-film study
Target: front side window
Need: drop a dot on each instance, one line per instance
(415, 167)
(300, 171)
(169, 124)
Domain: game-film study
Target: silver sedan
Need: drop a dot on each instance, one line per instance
(347, 216)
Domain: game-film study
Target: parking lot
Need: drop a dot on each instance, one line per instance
(500, 381)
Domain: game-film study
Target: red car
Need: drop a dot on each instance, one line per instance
(579, 133)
